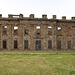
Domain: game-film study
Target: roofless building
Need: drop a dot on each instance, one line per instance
(30, 33)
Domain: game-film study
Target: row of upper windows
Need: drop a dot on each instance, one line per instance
(49, 27)
(37, 27)
(37, 30)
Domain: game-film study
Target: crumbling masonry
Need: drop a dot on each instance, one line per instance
(29, 33)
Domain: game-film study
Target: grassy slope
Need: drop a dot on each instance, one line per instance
(21, 63)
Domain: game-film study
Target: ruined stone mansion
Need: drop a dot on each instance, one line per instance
(29, 33)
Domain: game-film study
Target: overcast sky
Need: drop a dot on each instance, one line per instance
(38, 7)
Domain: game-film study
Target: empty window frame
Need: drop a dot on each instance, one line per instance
(38, 30)
(15, 30)
(26, 31)
(4, 30)
(49, 44)
(69, 44)
(69, 32)
(4, 44)
(49, 30)
(58, 44)
(38, 33)
(59, 28)
(49, 27)
(59, 31)
(15, 44)
(37, 27)
(26, 44)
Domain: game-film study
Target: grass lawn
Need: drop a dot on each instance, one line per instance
(37, 63)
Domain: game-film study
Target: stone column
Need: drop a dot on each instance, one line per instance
(54, 33)
(9, 33)
(20, 36)
(31, 36)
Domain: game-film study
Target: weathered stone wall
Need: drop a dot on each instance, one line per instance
(66, 33)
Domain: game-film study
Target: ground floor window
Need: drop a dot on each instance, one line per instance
(38, 45)
(4, 44)
(49, 44)
(69, 44)
(26, 44)
(15, 44)
(58, 44)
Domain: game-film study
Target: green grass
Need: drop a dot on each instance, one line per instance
(37, 63)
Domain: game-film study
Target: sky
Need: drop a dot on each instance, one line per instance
(38, 7)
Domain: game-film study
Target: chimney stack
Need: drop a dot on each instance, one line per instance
(63, 17)
(31, 15)
(54, 16)
(10, 16)
(73, 18)
(44, 16)
(0, 15)
(21, 16)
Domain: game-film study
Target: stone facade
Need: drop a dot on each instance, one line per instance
(30, 33)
